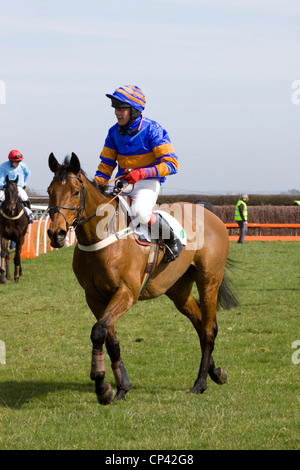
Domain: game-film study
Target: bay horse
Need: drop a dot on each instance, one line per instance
(111, 274)
(13, 227)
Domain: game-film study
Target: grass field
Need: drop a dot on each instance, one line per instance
(47, 400)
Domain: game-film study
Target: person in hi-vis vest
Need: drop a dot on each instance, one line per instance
(241, 216)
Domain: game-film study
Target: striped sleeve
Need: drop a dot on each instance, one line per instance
(166, 161)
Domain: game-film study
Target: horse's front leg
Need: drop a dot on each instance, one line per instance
(17, 260)
(101, 333)
(4, 270)
(117, 365)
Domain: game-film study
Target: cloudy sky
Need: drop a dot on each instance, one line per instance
(218, 75)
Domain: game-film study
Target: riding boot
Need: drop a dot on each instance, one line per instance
(162, 231)
(28, 212)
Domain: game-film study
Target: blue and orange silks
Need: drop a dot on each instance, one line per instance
(149, 148)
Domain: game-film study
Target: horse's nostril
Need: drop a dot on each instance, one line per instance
(60, 235)
(57, 238)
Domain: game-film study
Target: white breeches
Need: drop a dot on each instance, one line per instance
(22, 194)
(143, 199)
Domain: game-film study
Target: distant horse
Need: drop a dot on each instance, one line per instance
(13, 226)
(111, 274)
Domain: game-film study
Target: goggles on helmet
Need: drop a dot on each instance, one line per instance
(130, 95)
(15, 156)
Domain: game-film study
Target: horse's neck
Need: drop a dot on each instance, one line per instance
(93, 196)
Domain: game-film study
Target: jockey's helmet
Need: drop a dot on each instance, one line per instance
(128, 96)
(15, 156)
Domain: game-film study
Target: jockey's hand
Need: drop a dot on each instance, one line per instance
(136, 175)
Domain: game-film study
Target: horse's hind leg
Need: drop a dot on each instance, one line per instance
(117, 365)
(203, 318)
(182, 296)
(208, 288)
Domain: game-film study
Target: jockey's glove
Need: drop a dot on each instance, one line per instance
(136, 175)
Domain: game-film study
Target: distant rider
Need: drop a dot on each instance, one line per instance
(12, 168)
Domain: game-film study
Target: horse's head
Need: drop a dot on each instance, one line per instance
(11, 194)
(66, 198)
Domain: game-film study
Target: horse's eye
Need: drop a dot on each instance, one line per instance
(76, 193)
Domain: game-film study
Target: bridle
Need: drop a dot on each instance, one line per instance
(77, 221)
(79, 208)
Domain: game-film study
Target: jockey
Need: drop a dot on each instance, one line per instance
(13, 168)
(144, 154)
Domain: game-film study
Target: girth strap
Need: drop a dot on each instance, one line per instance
(152, 260)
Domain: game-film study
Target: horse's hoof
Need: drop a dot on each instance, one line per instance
(3, 280)
(121, 395)
(107, 397)
(222, 377)
(17, 280)
(198, 388)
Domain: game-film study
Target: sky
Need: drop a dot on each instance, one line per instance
(222, 77)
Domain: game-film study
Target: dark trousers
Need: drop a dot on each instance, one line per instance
(243, 230)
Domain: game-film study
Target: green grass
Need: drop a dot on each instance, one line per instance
(47, 400)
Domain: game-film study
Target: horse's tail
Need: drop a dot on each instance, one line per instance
(226, 296)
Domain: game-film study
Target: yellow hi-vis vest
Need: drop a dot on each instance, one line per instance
(237, 212)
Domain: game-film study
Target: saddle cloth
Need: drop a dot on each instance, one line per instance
(142, 231)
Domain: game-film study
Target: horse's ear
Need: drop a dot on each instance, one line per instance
(75, 163)
(6, 179)
(17, 179)
(53, 163)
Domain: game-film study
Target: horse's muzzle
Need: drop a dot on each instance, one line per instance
(57, 238)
